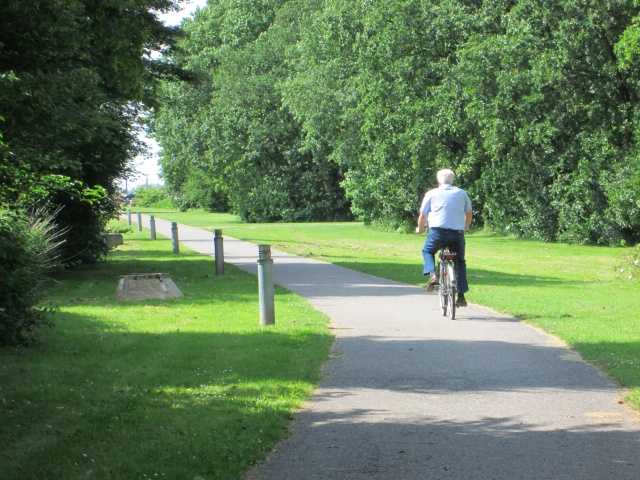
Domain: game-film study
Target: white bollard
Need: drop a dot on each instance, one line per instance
(218, 252)
(174, 237)
(265, 285)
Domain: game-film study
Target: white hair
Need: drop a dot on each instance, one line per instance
(446, 176)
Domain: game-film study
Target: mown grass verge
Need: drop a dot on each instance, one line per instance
(570, 291)
(182, 388)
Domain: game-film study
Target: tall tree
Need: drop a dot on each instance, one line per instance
(548, 114)
(532, 102)
(252, 147)
(73, 78)
(624, 187)
(525, 99)
(370, 71)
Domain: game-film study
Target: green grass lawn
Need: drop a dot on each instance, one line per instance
(195, 388)
(182, 388)
(569, 291)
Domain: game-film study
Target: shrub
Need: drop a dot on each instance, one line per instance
(164, 203)
(27, 253)
(117, 228)
(151, 196)
(629, 267)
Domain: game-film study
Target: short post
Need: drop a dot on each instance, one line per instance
(174, 237)
(139, 221)
(129, 217)
(218, 251)
(152, 227)
(265, 285)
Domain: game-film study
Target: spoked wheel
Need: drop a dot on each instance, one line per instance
(451, 291)
(444, 298)
(451, 300)
(443, 294)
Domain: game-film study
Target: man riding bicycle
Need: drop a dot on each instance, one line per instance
(448, 210)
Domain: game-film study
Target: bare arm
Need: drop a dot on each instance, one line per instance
(467, 220)
(422, 223)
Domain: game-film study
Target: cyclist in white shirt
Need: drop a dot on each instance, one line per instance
(448, 212)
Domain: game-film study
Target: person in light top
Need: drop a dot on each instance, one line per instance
(448, 211)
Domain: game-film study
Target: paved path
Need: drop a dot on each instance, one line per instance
(410, 394)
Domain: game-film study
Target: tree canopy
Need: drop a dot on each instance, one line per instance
(75, 75)
(304, 107)
(227, 134)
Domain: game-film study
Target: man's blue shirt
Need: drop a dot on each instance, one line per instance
(446, 207)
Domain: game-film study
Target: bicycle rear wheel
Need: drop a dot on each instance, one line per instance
(442, 291)
(451, 290)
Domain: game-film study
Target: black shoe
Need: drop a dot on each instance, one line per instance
(433, 282)
(461, 302)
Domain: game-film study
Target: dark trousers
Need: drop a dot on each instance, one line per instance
(438, 238)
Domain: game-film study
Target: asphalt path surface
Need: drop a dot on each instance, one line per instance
(410, 394)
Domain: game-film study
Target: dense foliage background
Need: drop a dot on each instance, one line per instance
(306, 110)
(226, 138)
(310, 109)
(75, 76)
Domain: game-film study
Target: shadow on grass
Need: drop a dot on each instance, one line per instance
(323, 276)
(125, 404)
(493, 278)
(98, 397)
(405, 272)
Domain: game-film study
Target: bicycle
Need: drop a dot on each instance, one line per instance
(446, 271)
